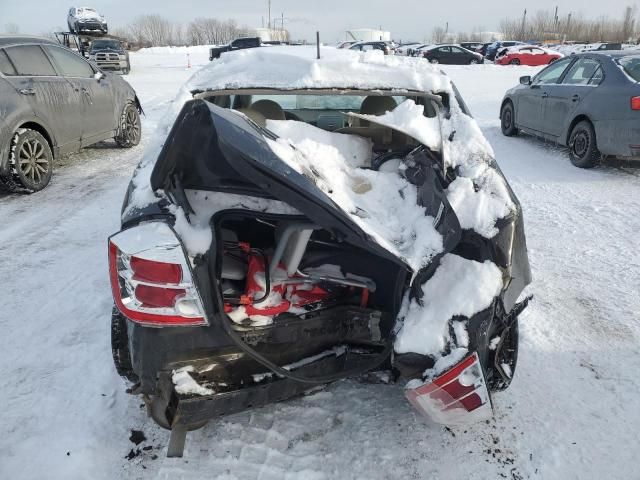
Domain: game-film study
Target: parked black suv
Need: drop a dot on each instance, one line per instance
(237, 44)
(54, 102)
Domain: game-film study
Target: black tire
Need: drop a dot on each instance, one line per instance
(434, 61)
(129, 129)
(583, 148)
(515, 61)
(126, 70)
(474, 61)
(507, 120)
(31, 160)
(120, 346)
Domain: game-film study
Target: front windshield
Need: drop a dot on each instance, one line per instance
(631, 66)
(103, 44)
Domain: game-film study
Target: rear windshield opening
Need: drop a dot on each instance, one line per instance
(631, 66)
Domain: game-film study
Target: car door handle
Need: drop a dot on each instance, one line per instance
(545, 94)
(575, 98)
(28, 91)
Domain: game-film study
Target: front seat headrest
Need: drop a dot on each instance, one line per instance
(269, 109)
(375, 105)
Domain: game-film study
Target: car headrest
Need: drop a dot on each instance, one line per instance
(269, 109)
(374, 105)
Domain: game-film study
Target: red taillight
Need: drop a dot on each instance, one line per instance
(635, 103)
(150, 278)
(458, 396)
(152, 271)
(158, 297)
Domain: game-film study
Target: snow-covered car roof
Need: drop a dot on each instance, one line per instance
(291, 68)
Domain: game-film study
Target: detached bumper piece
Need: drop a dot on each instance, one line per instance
(456, 397)
(185, 411)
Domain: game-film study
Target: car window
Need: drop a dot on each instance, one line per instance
(552, 73)
(456, 50)
(5, 64)
(30, 60)
(366, 48)
(581, 72)
(631, 65)
(444, 50)
(70, 64)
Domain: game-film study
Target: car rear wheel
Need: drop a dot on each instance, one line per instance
(583, 149)
(120, 346)
(515, 61)
(31, 160)
(552, 60)
(129, 130)
(507, 120)
(434, 60)
(473, 61)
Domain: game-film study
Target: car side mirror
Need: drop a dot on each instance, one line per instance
(98, 76)
(526, 80)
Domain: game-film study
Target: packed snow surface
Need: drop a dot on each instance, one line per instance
(66, 414)
(459, 287)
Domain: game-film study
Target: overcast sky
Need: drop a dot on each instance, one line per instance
(406, 19)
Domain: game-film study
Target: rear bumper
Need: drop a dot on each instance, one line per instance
(193, 410)
(618, 138)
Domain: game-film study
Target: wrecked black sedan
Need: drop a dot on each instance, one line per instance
(307, 220)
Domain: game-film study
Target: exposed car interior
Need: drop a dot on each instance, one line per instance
(331, 112)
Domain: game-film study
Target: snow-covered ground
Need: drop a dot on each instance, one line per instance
(571, 412)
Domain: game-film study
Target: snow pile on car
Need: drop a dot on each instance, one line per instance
(292, 68)
(458, 288)
(382, 203)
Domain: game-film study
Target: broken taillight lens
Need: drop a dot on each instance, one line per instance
(458, 396)
(150, 278)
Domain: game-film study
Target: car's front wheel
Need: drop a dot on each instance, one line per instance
(473, 61)
(515, 61)
(507, 120)
(583, 148)
(31, 160)
(129, 129)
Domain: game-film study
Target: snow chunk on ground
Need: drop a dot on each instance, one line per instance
(458, 287)
(409, 118)
(186, 385)
(383, 204)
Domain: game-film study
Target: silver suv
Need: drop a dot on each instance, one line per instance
(54, 102)
(86, 20)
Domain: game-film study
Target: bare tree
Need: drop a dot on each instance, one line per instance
(152, 30)
(438, 35)
(11, 28)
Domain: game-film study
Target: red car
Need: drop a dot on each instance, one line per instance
(527, 55)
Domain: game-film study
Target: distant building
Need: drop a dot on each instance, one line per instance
(269, 34)
(367, 35)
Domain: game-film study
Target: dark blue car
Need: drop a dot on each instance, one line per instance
(589, 102)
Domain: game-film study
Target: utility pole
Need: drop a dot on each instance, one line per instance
(555, 23)
(566, 30)
(524, 19)
(269, 24)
